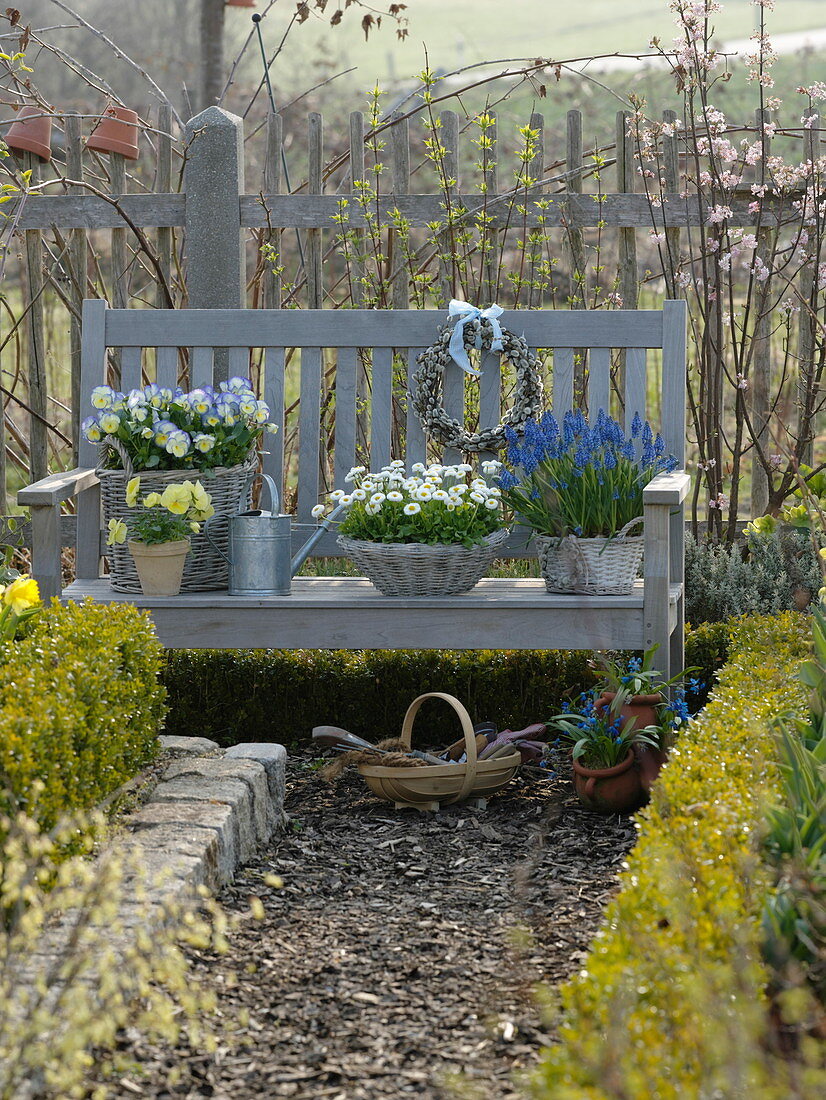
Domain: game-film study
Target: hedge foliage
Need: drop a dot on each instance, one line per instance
(279, 695)
(80, 708)
(671, 1004)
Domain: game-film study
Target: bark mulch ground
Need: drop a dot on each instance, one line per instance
(401, 955)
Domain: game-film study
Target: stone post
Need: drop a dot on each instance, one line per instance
(213, 180)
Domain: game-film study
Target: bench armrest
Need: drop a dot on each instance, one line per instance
(667, 488)
(56, 488)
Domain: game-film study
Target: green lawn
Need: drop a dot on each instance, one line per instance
(464, 32)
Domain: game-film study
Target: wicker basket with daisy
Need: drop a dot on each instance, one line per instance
(433, 532)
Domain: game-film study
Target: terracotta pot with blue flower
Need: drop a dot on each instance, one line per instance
(644, 700)
(578, 486)
(606, 776)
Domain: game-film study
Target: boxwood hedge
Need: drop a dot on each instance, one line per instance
(279, 695)
(80, 708)
(670, 1004)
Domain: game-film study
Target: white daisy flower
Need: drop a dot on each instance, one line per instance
(372, 509)
(422, 494)
(396, 464)
(491, 466)
(417, 468)
(441, 494)
(395, 496)
(412, 508)
(359, 494)
(458, 490)
(477, 497)
(464, 468)
(344, 499)
(492, 504)
(377, 498)
(337, 495)
(317, 511)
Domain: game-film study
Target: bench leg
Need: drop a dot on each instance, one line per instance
(46, 550)
(657, 570)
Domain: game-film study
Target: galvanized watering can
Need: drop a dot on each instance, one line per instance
(260, 552)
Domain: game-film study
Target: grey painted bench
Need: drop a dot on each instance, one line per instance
(346, 612)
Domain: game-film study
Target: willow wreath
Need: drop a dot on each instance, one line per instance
(426, 389)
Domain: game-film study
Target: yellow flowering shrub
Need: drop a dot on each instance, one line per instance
(73, 976)
(80, 707)
(671, 1003)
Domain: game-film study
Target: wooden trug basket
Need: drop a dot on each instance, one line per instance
(429, 787)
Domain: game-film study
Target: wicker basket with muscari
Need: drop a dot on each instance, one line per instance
(167, 437)
(578, 486)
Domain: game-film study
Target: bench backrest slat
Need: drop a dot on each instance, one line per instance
(381, 407)
(563, 381)
(272, 462)
(345, 434)
(130, 369)
(416, 446)
(635, 396)
(167, 367)
(599, 379)
(309, 443)
(346, 364)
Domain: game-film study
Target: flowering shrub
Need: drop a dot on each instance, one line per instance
(20, 601)
(436, 504)
(164, 429)
(579, 479)
(167, 517)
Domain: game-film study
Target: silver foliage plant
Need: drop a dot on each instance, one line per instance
(777, 572)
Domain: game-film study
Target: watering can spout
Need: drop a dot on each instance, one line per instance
(313, 540)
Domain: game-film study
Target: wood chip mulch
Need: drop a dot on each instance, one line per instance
(401, 954)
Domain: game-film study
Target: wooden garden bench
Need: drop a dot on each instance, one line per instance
(347, 612)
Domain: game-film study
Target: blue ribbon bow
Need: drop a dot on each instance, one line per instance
(466, 314)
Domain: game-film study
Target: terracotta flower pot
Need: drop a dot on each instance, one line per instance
(649, 763)
(642, 708)
(240, 3)
(160, 567)
(117, 132)
(31, 133)
(614, 790)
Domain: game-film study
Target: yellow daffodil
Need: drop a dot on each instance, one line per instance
(117, 532)
(22, 594)
(132, 490)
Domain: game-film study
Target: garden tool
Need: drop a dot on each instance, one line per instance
(506, 737)
(341, 740)
(485, 732)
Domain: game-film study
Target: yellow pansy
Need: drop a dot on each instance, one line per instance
(132, 490)
(22, 594)
(152, 500)
(117, 532)
(176, 499)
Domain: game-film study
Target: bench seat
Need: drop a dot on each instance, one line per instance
(348, 613)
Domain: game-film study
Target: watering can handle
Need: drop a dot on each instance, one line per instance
(274, 501)
(241, 505)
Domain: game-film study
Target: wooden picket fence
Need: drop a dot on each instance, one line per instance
(82, 240)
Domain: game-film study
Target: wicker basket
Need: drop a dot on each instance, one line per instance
(597, 566)
(419, 569)
(205, 569)
(431, 785)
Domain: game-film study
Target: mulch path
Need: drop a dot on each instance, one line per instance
(400, 956)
